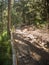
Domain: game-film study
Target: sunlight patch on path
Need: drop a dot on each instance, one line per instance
(32, 35)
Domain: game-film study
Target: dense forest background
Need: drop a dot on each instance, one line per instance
(22, 12)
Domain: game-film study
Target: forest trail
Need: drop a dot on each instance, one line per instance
(32, 46)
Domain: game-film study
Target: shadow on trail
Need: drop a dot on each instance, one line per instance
(29, 54)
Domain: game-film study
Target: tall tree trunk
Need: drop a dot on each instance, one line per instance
(47, 1)
(10, 5)
(9, 16)
(23, 15)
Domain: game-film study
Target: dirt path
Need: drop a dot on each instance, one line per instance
(32, 46)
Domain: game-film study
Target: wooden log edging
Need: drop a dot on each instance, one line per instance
(14, 60)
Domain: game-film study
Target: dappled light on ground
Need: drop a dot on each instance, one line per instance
(32, 47)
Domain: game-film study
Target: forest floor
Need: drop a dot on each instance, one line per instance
(31, 45)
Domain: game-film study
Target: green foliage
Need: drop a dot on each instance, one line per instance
(16, 18)
(29, 12)
(22, 12)
(5, 49)
(5, 45)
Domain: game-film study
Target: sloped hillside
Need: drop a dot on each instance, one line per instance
(32, 46)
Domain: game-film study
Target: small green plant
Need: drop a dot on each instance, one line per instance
(5, 49)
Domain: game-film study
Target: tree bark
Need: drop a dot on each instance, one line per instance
(9, 16)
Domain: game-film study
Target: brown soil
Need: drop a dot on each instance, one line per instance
(32, 46)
